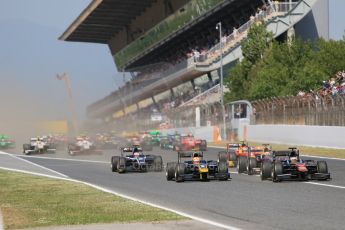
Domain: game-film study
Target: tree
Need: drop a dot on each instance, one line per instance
(252, 48)
(273, 69)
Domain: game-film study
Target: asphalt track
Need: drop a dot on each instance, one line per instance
(243, 202)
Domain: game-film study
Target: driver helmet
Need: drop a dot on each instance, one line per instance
(196, 158)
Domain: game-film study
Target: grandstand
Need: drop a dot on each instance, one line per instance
(172, 48)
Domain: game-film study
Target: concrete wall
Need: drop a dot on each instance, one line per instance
(318, 136)
(316, 23)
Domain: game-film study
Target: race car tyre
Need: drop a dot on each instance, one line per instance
(179, 172)
(26, 147)
(251, 164)
(242, 164)
(277, 170)
(322, 167)
(170, 170)
(266, 169)
(114, 162)
(158, 163)
(223, 169)
(121, 165)
(222, 157)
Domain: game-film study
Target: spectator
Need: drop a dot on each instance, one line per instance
(235, 32)
(276, 5)
(196, 55)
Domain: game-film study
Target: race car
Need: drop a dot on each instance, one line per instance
(145, 143)
(196, 168)
(171, 141)
(287, 165)
(251, 164)
(106, 141)
(82, 145)
(189, 142)
(39, 145)
(163, 141)
(155, 141)
(233, 152)
(6, 142)
(136, 161)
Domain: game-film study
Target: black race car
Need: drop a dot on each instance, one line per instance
(136, 161)
(196, 168)
(287, 165)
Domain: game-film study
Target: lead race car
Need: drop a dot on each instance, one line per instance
(136, 161)
(196, 168)
(287, 165)
(39, 145)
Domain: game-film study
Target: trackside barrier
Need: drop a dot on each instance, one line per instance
(316, 136)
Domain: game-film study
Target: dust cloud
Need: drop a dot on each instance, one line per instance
(23, 108)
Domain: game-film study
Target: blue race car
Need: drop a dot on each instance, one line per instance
(136, 161)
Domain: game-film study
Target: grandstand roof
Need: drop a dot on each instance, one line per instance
(102, 19)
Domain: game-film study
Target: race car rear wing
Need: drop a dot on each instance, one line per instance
(188, 154)
(281, 153)
(130, 149)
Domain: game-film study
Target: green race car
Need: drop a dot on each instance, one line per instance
(155, 137)
(6, 142)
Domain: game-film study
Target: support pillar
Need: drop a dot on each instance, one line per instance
(172, 94)
(193, 84)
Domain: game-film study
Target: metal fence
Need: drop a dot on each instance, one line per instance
(308, 110)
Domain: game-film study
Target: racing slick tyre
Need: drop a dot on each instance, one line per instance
(265, 171)
(121, 165)
(70, 149)
(179, 172)
(322, 167)
(114, 162)
(223, 170)
(277, 170)
(158, 164)
(251, 164)
(170, 170)
(26, 147)
(242, 164)
(222, 157)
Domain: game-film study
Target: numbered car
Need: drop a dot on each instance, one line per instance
(196, 168)
(287, 165)
(132, 159)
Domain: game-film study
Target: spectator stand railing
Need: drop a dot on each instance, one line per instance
(199, 99)
(234, 39)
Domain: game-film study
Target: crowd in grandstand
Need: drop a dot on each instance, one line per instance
(197, 49)
(332, 87)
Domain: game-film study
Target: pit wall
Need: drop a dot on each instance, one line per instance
(316, 136)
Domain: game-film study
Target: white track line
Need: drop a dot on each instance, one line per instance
(66, 159)
(329, 158)
(200, 219)
(40, 166)
(326, 185)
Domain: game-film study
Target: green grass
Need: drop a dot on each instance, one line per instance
(314, 151)
(32, 201)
